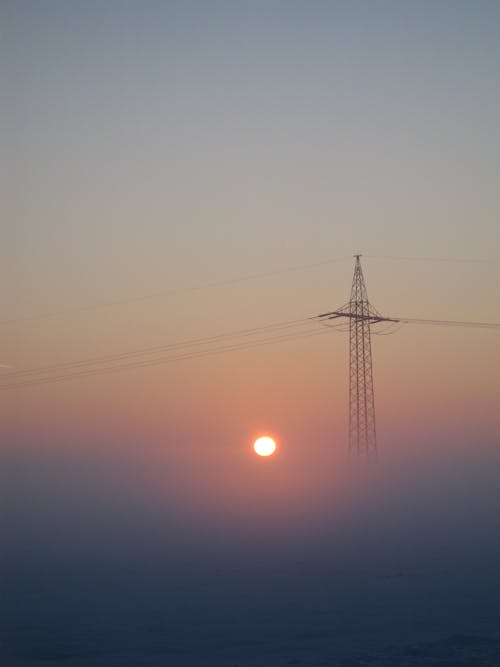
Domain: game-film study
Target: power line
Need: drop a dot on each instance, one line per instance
(462, 260)
(169, 292)
(231, 281)
(450, 323)
(339, 325)
(193, 342)
(196, 348)
(129, 365)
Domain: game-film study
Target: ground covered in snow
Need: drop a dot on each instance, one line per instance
(456, 651)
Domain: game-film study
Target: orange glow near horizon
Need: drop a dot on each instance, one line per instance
(264, 446)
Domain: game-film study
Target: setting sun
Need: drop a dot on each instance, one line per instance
(264, 446)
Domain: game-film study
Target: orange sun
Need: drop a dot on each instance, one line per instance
(264, 446)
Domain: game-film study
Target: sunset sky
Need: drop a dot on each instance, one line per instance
(155, 146)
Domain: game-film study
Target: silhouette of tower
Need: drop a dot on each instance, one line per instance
(361, 315)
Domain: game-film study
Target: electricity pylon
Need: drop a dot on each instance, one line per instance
(361, 315)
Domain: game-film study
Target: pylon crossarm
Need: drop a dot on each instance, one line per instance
(373, 319)
(329, 316)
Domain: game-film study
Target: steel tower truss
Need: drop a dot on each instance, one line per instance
(361, 316)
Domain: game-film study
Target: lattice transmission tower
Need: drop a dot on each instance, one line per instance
(361, 316)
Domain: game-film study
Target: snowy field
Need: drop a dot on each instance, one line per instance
(294, 615)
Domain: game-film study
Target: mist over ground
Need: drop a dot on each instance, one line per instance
(106, 565)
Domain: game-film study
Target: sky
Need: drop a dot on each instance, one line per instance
(157, 146)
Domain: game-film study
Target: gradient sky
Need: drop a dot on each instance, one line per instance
(150, 146)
